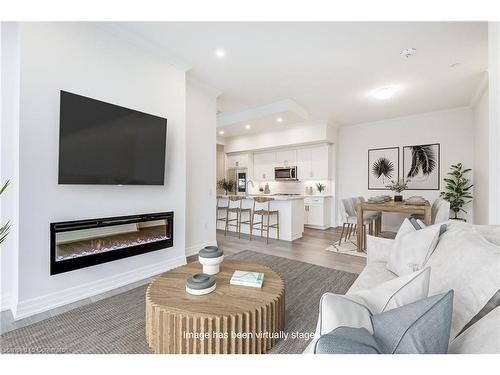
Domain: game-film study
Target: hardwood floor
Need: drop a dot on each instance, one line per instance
(311, 248)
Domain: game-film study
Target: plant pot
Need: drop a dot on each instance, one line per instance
(398, 198)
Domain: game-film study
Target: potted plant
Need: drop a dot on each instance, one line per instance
(4, 231)
(320, 187)
(398, 187)
(226, 185)
(457, 189)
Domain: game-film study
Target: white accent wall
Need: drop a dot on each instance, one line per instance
(494, 112)
(201, 103)
(85, 59)
(453, 129)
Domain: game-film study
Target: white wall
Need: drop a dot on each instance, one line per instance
(201, 166)
(87, 60)
(453, 129)
(295, 135)
(481, 160)
(9, 157)
(494, 111)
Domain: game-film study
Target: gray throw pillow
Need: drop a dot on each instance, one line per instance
(421, 327)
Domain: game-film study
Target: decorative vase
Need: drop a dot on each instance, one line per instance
(211, 257)
(398, 198)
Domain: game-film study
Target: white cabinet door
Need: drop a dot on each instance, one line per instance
(286, 158)
(304, 164)
(237, 161)
(264, 165)
(315, 215)
(320, 162)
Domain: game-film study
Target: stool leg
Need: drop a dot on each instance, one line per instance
(261, 226)
(278, 224)
(267, 239)
(226, 223)
(238, 223)
(251, 224)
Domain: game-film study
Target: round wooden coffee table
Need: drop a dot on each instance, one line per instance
(232, 319)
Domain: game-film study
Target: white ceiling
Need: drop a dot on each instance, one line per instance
(329, 68)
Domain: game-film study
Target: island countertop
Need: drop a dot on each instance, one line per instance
(291, 215)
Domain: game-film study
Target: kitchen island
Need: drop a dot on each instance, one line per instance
(291, 216)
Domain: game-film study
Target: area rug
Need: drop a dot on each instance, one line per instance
(349, 247)
(115, 325)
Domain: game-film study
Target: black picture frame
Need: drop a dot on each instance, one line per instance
(369, 166)
(437, 176)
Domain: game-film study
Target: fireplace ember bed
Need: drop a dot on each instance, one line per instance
(83, 243)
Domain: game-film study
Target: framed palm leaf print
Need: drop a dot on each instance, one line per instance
(421, 166)
(383, 166)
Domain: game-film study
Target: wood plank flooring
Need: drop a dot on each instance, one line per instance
(311, 248)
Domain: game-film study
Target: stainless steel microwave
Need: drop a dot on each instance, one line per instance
(285, 173)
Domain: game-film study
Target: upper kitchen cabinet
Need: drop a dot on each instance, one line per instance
(286, 158)
(238, 161)
(263, 165)
(313, 163)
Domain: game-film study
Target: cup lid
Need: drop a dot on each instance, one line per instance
(210, 252)
(200, 281)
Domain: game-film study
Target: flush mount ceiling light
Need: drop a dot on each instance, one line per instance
(279, 119)
(221, 132)
(407, 53)
(384, 93)
(248, 126)
(219, 52)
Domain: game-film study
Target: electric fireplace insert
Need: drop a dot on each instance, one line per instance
(83, 243)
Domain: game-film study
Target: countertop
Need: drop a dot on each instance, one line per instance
(286, 197)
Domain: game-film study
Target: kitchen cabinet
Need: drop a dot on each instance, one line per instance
(286, 158)
(263, 166)
(313, 163)
(238, 160)
(317, 212)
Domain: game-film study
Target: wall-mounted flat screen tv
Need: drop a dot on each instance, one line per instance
(105, 144)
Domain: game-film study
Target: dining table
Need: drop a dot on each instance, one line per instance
(390, 206)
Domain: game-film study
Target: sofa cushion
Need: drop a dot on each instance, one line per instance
(411, 251)
(355, 309)
(470, 265)
(347, 340)
(421, 327)
(373, 274)
(481, 338)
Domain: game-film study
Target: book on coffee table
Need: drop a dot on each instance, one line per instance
(246, 278)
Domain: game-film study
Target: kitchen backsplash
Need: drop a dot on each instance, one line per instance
(292, 187)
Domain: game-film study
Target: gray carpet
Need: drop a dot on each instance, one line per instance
(116, 324)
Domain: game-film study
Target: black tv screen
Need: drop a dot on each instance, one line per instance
(105, 144)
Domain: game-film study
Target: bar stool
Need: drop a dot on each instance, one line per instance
(267, 213)
(236, 208)
(221, 208)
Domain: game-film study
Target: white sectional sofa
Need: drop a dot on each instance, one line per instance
(467, 260)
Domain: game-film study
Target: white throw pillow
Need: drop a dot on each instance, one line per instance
(355, 309)
(483, 337)
(470, 265)
(411, 250)
(406, 227)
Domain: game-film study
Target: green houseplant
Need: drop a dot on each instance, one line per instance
(4, 230)
(457, 189)
(226, 185)
(320, 187)
(398, 186)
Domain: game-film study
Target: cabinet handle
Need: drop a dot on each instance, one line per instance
(263, 175)
(237, 163)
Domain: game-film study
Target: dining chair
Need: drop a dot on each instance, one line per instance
(376, 216)
(440, 211)
(350, 219)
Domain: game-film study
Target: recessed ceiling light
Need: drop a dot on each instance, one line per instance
(219, 52)
(248, 126)
(384, 93)
(221, 132)
(279, 119)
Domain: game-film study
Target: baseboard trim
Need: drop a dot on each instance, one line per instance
(5, 301)
(193, 250)
(63, 297)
